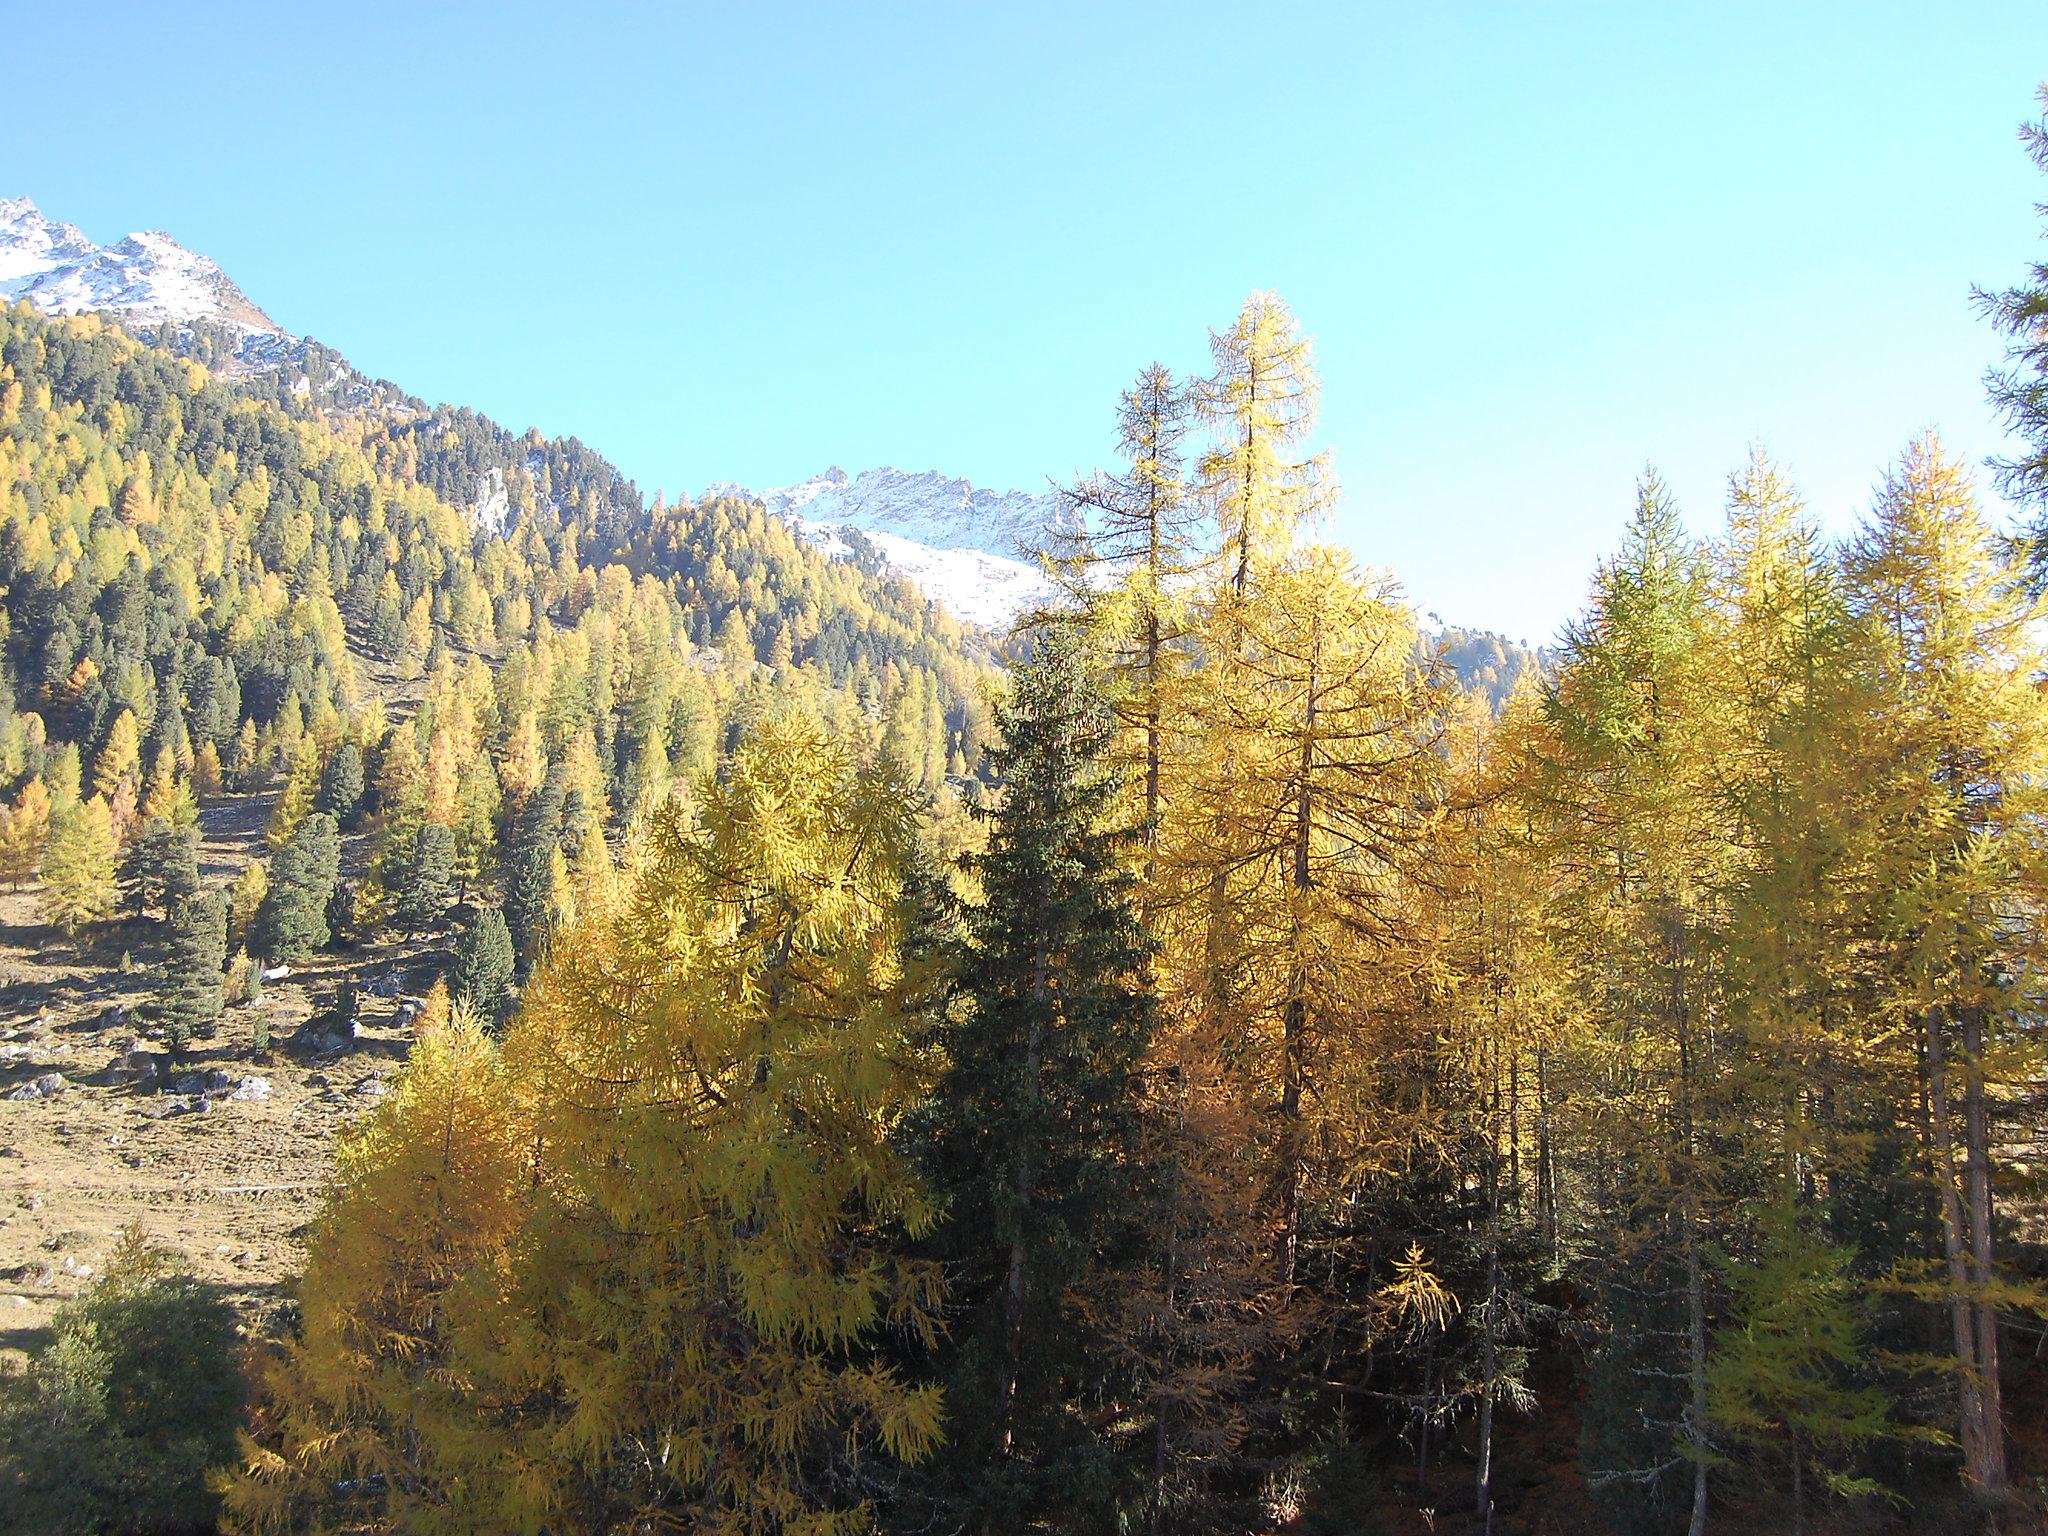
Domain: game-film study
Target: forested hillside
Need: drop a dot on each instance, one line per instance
(202, 590)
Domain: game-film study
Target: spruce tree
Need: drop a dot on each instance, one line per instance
(484, 963)
(530, 868)
(1035, 1131)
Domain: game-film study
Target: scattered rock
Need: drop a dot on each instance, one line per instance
(246, 1256)
(276, 972)
(313, 1080)
(252, 1088)
(409, 1010)
(213, 1080)
(48, 1086)
(384, 986)
(178, 1104)
(373, 1087)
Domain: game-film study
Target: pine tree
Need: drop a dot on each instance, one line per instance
(193, 969)
(1034, 1135)
(341, 786)
(163, 862)
(291, 921)
(529, 875)
(429, 879)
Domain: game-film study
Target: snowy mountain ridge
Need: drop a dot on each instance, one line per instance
(144, 278)
(971, 549)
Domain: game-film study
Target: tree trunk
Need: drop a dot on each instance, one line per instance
(1695, 1279)
(1025, 1173)
(1942, 1150)
(1294, 1046)
(1488, 1362)
(1977, 1173)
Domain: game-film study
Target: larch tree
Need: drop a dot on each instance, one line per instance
(23, 832)
(352, 1412)
(685, 1327)
(1260, 401)
(1130, 564)
(1639, 850)
(1327, 800)
(1956, 750)
(80, 865)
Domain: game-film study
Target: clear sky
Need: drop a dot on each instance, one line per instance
(1539, 246)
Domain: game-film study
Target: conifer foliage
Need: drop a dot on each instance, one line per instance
(1035, 1135)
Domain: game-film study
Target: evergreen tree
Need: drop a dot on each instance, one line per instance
(163, 863)
(1034, 1133)
(429, 878)
(341, 786)
(193, 969)
(484, 965)
(120, 1422)
(530, 870)
(2019, 392)
(291, 921)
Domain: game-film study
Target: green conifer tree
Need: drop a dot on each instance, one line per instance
(1034, 1132)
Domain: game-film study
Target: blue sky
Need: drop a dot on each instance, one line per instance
(1538, 246)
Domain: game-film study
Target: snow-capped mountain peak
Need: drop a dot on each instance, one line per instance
(144, 278)
(971, 549)
(927, 506)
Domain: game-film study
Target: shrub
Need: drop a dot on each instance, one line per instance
(116, 1426)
